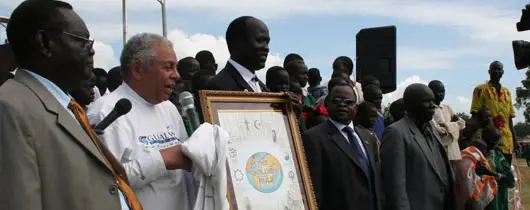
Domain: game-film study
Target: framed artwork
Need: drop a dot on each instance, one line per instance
(266, 163)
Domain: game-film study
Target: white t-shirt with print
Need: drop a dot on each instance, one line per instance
(136, 138)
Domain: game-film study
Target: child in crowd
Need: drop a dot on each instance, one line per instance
(314, 79)
(502, 169)
(277, 79)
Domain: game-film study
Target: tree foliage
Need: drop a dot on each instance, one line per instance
(521, 130)
(463, 115)
(523, 97)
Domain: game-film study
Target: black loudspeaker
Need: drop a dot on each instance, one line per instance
(376, 56)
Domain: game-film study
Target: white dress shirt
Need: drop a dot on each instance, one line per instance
(247, 75)
(341, 127)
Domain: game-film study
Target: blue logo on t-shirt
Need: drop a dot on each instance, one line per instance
(162, 138)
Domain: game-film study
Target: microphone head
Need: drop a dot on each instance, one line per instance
(186, 99)
(123, 106)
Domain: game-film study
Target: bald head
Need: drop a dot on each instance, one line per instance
(419, 102)
(496, 64)
(496, 70)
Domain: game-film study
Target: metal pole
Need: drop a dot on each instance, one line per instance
(3, 23)
(164, 25)
(124, 7)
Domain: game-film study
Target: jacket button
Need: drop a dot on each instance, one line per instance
(113, 189)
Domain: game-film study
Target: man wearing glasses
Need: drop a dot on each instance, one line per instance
(341, 157)
(50, 158)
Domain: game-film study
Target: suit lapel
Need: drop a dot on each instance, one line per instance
(237, 76)
(342, 143)
(422, 143)
(364, 137)
(64, 119)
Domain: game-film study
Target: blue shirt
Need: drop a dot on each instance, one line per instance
(379, 127)
(64, 100)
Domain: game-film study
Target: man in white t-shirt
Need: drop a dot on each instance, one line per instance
(147, 140)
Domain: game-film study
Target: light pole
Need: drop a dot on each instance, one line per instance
(164, 26)
(3, 23)
(124, 10)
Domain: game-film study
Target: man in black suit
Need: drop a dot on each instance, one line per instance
(341, 157)
(248, 43)
(418, 175)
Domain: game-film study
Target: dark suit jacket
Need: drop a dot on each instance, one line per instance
(47, 160)
(338, 179)
(231, 80)
(411, 181)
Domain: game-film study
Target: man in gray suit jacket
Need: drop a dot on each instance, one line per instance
(417, 173)
(47, 160)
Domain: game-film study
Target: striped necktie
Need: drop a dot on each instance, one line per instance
(80, 115)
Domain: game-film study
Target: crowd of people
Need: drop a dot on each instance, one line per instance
(51, 158)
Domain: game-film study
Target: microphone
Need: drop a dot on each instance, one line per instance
(188, 107)
(123, 106)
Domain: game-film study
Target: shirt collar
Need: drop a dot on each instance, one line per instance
(245, 73)
(63, 98)
(341, 126)
(128, 91)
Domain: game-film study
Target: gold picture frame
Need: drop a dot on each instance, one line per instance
(256, 176)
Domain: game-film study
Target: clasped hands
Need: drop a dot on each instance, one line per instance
(481, 169)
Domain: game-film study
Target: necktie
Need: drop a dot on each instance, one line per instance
(362, 159)
(427, 134)
(80, 115)
(255, 84)
(357, 147)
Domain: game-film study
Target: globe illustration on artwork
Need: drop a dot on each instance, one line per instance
(264, 172)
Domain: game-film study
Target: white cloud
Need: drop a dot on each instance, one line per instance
(461, 104)
(104, 57)
(185, 45)
(391, 97)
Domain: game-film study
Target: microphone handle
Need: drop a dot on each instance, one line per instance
(113, 115)
(192, 118)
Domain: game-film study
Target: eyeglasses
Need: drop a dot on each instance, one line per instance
(346, 101)
(88, 44)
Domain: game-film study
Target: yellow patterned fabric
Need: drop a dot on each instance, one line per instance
(501, 108)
